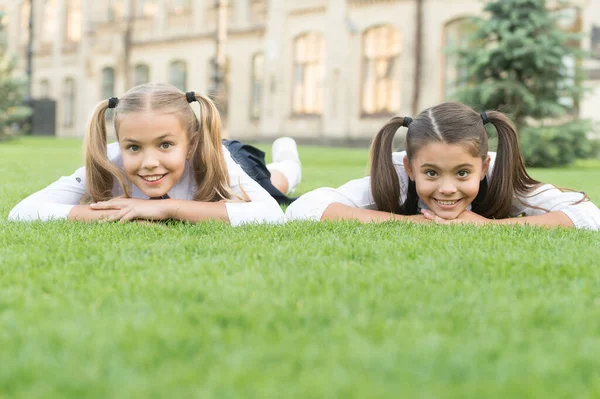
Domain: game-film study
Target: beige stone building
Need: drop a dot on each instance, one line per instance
(320, 69)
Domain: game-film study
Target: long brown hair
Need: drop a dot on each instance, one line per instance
(452, 123)
(207, 162)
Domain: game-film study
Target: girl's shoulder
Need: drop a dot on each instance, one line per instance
(113, 151)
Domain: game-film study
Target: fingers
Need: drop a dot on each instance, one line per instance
(433, 217)
(105, 205)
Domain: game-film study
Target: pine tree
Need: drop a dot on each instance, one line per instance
(522, 63)
(12, 92)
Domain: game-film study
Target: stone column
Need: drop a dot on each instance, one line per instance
(336, 105)
(274, 101)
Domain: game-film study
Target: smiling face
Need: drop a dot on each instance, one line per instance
(446, 177)
(154, 149)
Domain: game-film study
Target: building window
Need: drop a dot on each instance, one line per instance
(178, 75)
(146, 9)
(115, 10)
(595, 42)
(44, 89)
(108, 82)
(49, 23)
(69, 103)
(179, 7)
(380, 83)
(457, 35)
(141, 74)
(73, 30)
(258, 11)
(24, 23)
(3, 26)
(258, 61)
(308, 92)
(570, 21)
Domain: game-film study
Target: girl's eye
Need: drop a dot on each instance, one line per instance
(165, 145)
(463, 173)
(430, 173)
(133, 148)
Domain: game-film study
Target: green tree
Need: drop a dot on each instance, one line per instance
(12, 92)
(525, 65)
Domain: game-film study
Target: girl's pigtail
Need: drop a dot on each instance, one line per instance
(208, 162)
(99, 170)
(385, 185)
(510, 176)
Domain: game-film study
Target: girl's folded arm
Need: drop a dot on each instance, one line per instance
(550, 206)
(53, 202)
(261, 208)
(352, 201)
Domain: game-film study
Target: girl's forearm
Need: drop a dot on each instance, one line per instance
(84, 213)
(194, 211)
(337, 211)
(550, 219)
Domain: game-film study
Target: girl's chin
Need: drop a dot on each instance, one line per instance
(446, 214)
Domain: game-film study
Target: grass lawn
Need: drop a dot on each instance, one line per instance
(300, 310)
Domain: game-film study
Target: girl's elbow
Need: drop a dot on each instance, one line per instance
(312, 205)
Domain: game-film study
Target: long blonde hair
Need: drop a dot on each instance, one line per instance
(207, 162)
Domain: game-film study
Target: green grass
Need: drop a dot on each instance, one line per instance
(300, 310)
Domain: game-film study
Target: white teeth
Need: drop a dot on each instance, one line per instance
(447, 202)
(153, 178)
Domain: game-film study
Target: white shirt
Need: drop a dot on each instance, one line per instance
(57, 200)
(357, 193)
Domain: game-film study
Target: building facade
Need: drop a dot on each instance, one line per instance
(324, 70)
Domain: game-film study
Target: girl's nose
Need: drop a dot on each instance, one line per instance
(149, 161)
(447, 188)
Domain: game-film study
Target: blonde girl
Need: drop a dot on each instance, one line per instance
(163, 152)
(447, 175)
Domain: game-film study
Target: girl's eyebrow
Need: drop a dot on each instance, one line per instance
(465, 165)
(164, 136)
(462, 165)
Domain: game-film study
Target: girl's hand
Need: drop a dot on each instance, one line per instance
(465, 217)
(133, 209)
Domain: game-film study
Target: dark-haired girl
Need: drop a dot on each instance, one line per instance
(447, 175)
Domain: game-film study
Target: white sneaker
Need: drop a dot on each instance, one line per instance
(287, 161)
(285, 149)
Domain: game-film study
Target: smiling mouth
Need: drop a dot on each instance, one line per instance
(446, 203)
(152, 178)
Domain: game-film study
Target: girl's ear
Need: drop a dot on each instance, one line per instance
(408, 169)
(486, 166)
(193, 146)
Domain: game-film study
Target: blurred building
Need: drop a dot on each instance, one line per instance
(321, 69)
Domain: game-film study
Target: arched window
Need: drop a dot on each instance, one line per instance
(179, 7)
(457, 36)
(141, 74)
(258, 11)
(44, 88)
(178, 74)
(308, 91)
(69, 103)
(381, 83)
(108, 82)
(49, 23)
(258, 61)
(73, 21)
(570, 21)
(24, 23)
(146, 9)
(115, 10)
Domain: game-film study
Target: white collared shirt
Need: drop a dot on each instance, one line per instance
(57, 200)
(357, 193)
